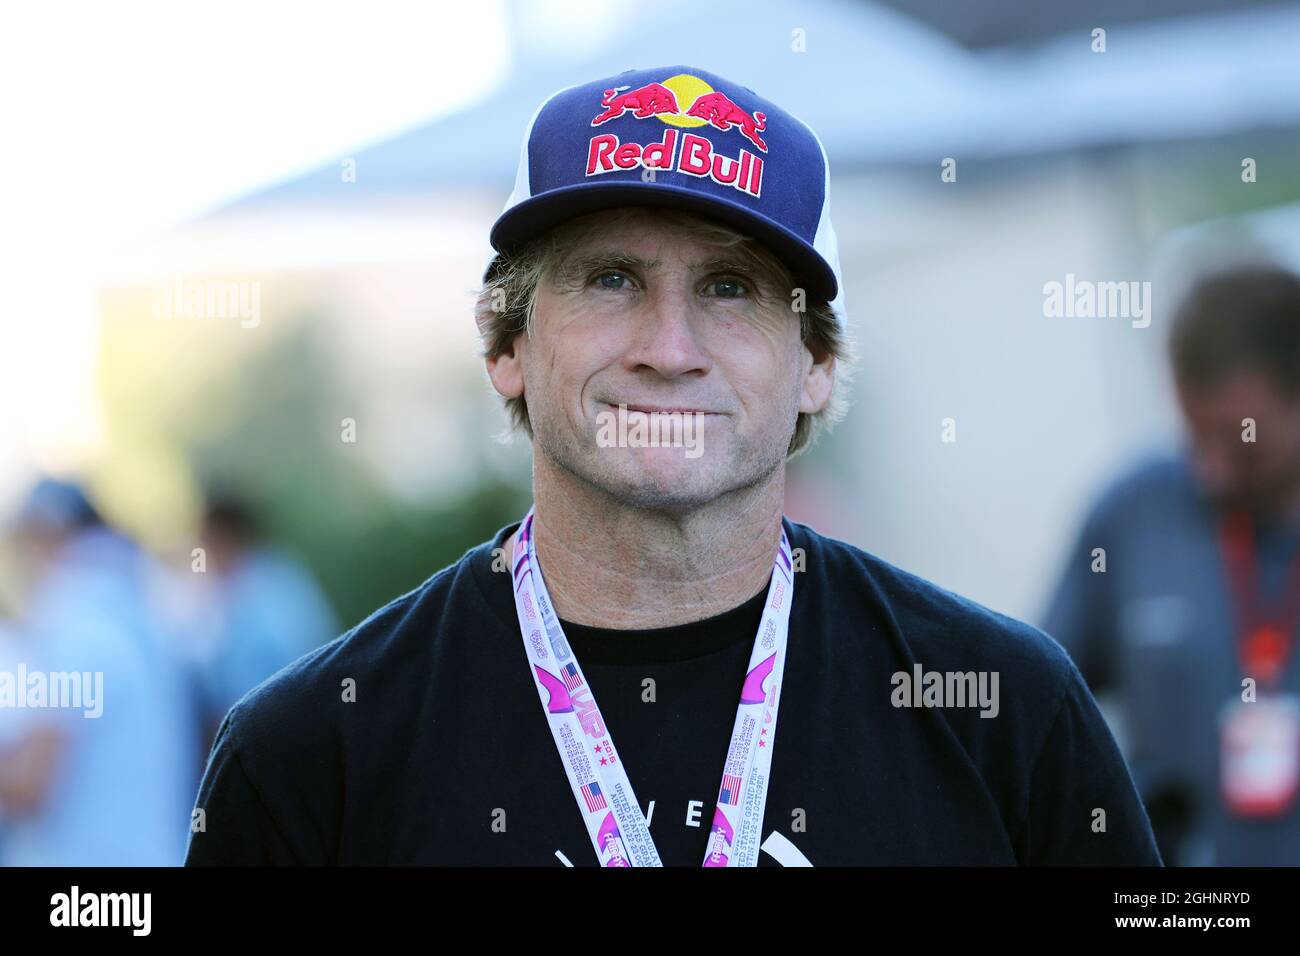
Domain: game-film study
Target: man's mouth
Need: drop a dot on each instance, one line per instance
(663, 409)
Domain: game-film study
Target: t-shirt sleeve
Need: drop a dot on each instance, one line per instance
(1084, 809)
(237, 828)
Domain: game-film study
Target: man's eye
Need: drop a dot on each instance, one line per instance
(613, 281)
(728, 288)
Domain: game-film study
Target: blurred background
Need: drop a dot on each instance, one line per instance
(196, 493)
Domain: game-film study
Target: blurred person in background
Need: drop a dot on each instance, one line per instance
(107, 783)
(262, 607)
(1181, 596)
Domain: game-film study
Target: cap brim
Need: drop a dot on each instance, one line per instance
(534, 216)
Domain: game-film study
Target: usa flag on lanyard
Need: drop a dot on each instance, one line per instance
(571, 678)
(730, 788)
(595, 799)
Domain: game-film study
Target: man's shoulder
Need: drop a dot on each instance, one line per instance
(937, 627)
(1153, 480)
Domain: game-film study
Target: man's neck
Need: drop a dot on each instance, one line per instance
(612, 566)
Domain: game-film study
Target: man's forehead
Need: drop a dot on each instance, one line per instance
(653, 249)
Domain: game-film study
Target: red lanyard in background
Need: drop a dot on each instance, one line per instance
(1265, 640)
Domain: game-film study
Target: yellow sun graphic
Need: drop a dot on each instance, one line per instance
(687, 89)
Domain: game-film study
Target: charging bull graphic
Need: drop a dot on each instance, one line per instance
(649, 100)
(719, 110)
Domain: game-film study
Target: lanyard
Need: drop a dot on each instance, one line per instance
(617, 827)
(1265, 640)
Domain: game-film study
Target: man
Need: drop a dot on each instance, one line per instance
(1181, 595)
(664, 319)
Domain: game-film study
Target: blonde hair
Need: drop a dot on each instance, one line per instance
(506, 306)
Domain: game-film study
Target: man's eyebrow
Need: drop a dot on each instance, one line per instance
(724, 264)
(590, 262)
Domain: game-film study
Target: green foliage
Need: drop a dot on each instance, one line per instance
(277, 443)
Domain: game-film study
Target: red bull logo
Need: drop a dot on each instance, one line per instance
(683, 101)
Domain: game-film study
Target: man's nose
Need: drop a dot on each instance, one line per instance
(667, 335)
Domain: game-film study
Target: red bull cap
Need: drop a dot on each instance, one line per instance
(684, 137)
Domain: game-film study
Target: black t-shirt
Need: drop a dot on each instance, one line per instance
(418, 737)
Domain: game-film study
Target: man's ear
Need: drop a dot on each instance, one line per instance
(506, 370)
(818, 378)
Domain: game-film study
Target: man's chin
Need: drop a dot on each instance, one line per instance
(656, 482)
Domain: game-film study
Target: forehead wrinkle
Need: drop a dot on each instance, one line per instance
(724, 263)
(585, 261)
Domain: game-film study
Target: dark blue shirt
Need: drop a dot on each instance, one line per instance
(445, 757)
